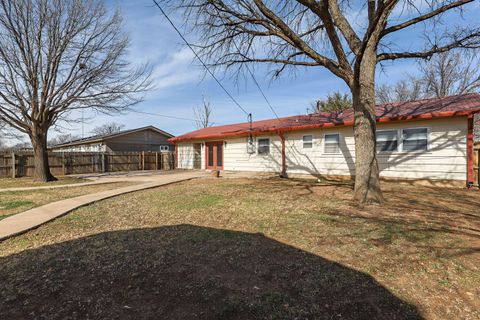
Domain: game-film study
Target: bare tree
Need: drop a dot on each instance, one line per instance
(325, 33)
(202, 115)
(404, 90)
(334, 102)
(2, 129)
(108, 128)
(9, 134)
(450, 73)
(57, 56)
(62, 138)
(19, 146)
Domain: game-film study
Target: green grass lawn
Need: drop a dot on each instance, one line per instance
(28, 182)
(13, 202)
(251, 249)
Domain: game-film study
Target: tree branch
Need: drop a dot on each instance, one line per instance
(424, 17)
(474, 39)
(322, 10)
(299, 43)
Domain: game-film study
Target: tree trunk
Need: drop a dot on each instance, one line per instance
(42, 169)
(367, 174)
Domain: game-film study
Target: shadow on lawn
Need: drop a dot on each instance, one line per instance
(187, 272)
(420, 209)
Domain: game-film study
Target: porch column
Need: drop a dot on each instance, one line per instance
(283, 174)
(470, 154)
(175, 161)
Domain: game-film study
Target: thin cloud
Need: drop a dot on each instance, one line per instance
(177, 70)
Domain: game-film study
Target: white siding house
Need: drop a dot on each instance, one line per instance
(444, 158)
(185, 156)
(433, 148)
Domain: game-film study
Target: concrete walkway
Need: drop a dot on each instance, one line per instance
(30, 219)
(141, 176)
(59, 186)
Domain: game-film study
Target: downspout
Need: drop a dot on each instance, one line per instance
(176, 156)
(470, 154)
(283, 174)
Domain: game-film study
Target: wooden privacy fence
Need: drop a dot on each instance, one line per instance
(20, 164)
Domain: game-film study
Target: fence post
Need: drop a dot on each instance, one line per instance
(143, 160)
(63, 163)
(102, 159)
(156, 160)
(13, 164)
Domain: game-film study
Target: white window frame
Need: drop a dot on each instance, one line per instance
(398, 134)
(258, 146)
(325, 142)
(414, 151)
(164, 147)
(309, 142)
(400, 140)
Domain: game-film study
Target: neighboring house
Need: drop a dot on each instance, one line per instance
(430, 139)
(142, 139)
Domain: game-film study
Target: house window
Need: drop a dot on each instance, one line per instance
(263, 146)
(307, 141)
(415, 139)
(332, 143)
(164, 148)
(387, 141)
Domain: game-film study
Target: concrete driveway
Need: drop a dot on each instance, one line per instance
(135, 176)
(30, 219)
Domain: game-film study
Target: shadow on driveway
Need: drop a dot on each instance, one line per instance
(187, 272)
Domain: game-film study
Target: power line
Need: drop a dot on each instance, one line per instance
(261, 91)
(163, 115)
(249, 115)
(186, 119)
(200, 59)
(252, 75)
(170, 117)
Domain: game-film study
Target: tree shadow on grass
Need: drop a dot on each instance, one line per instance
(187, 272)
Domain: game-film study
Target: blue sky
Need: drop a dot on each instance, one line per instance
(180, 82)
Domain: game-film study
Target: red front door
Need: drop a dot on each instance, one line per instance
(214, 155)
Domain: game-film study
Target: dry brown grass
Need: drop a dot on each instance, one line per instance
(13, 202)
(28, 182)
(422, 247)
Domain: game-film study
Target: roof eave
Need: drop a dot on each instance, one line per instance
(425, 116)
(76, 143)
(114, 135)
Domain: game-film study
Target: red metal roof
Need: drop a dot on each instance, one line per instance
(460, 105)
